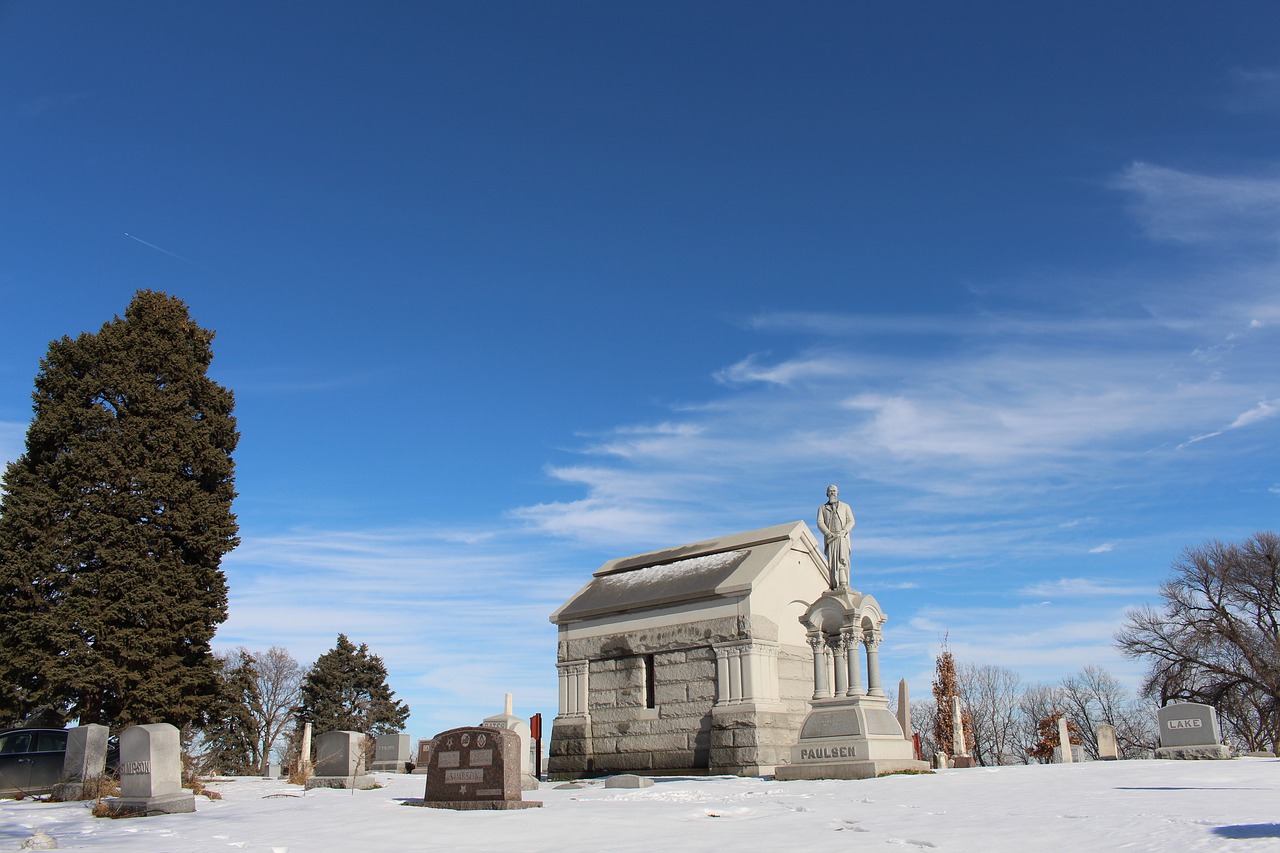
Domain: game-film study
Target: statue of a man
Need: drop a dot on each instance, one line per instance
(835, 520)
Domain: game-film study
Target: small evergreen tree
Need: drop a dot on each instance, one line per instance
(346, 690)
(230, 735)
(113, 524)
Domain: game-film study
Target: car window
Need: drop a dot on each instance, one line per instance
(15, 742)
(51, 742)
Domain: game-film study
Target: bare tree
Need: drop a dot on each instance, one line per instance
(1217, 638)
(923, 712)
(1094, 696)
(991, 697)
(279, 683)
(1039, 702)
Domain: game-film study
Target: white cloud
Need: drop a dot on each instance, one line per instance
(1103, 548)
(1186, 207)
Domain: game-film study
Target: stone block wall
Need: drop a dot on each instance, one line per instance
(681, 734)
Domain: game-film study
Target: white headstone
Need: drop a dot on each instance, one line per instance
(1064, 741)
(1108, 745)
(511, 722)
(958, 746)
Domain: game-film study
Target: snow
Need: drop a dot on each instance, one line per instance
(1130, 805)
(664, 572)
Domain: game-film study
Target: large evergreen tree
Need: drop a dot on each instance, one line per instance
(346, 690)
(114, 522)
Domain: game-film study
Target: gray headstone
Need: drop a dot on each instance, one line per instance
(1188, 724)
(340, 762)
(1108, 746)
(628, 780)
(476, 767)
(151, 773)
(1190, 730)
(86, 756)
(84, 761)
(391, 753)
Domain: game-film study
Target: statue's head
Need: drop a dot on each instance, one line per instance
(832, 493)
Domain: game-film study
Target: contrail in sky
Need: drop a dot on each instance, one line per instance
(157, 248)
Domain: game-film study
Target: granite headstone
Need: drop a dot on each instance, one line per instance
(84, 761)
(340, 762)
(475, 767)
(391, 753)
(1189, 730)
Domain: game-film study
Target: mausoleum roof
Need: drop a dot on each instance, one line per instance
(700, 570)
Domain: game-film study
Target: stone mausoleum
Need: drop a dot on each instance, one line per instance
(707, 658)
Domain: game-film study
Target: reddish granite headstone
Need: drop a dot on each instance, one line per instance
(476, 767)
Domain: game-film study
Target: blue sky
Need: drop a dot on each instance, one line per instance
(506, 290)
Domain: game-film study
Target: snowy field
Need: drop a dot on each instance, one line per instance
(1131, 805)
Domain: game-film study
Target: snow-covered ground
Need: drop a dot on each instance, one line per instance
(1130, 805)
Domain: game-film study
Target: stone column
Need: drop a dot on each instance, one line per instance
(872, 639)
(304, 751)
(852, 638)
(723, 696)
(958, 745)
(1064, 742)
(748, 658)
(904, 708)
(840, 649)
(820, 688)
(573, 688)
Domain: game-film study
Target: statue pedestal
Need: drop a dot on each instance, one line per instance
(850, 738)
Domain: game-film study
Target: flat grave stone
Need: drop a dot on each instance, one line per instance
(628, 780)
(475, 767)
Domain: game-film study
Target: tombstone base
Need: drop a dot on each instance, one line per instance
(362, 782)
(477, 805)
(963, 762)
(180, 803)
(849, 769)
(1194, 753)
(850, 738)
(388, 767)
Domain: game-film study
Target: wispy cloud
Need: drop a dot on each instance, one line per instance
(1186, 207)
(1254, 90)
(1082, 588)
(459, 617)
(1261, 412)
